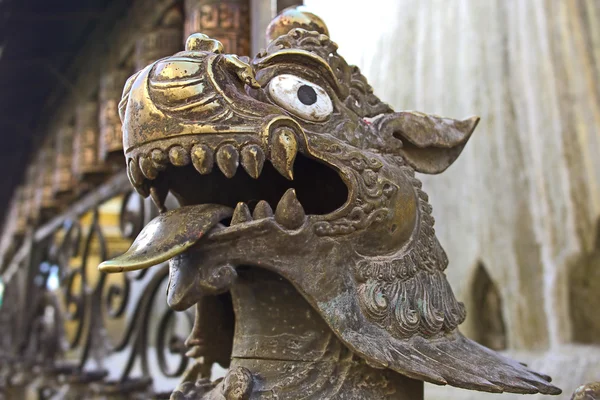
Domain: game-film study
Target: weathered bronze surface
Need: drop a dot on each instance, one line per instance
(226, 21)
(323, 242)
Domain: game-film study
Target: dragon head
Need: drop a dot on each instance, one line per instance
(289, 162)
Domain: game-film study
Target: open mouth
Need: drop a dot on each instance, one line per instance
(318, 188)
(225, 195)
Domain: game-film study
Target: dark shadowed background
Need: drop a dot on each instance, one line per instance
(39, 41)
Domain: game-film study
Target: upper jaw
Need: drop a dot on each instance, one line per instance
(219, 120)
(278, 141)
(273, 145)
(183, 167)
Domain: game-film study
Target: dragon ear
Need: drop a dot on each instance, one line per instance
(430, 144)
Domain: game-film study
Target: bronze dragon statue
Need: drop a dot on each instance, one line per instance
(340, 292)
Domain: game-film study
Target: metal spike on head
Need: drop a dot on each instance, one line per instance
(201, 42)
(295, 17)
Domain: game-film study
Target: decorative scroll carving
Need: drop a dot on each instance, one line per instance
(375, 191)
(410, 292)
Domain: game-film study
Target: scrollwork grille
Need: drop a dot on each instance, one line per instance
(114, 332)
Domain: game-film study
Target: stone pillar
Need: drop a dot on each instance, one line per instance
(21, 218)
(46, 201)
(12, 233)
(162, 41)
(30, 195)
(63, 181)
(227, 21)
(87, 166)
(262, 12)
(111, 136)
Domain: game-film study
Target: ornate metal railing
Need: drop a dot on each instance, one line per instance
(80, 332)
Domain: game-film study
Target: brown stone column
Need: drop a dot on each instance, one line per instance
(87, 166)
(227, 21)
(111, 136)
(21, 221)
(30, 195)
(63, 182)
(161, 41)
(45, 161)
(13, 225)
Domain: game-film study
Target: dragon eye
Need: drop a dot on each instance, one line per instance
(301, 97)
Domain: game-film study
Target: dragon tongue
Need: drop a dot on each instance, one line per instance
(168, 235)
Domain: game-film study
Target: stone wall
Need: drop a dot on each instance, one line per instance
(523, 200)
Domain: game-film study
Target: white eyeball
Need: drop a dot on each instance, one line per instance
(301, 97)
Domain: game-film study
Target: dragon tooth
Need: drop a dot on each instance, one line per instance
(284, 148)
(253, 159)
(289, 212)
(159, 193)
(262, 210)
(241, 214)
(135, 174)
(159, 159)
(148, 168)
(143, 189)
(178, 156)
(228, 160)
(202, 158)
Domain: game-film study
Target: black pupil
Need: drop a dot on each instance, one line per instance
(307, 95)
